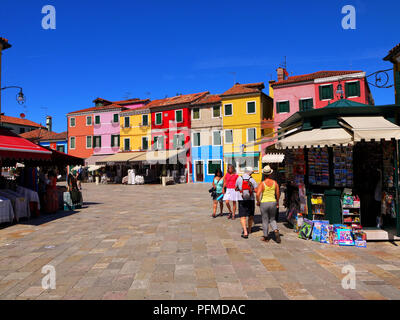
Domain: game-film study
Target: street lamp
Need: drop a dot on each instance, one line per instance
(20, 96)
(339, 90)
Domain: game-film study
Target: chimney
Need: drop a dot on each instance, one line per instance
(281, 74)
(49, 123)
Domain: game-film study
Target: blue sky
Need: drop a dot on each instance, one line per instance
(118, 49)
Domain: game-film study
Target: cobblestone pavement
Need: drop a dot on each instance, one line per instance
(150, 242)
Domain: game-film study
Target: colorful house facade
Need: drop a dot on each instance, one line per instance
(206, 140)
(244, 106)
(317, 90)
(43, 137)
(135, 129)
(394, 57)
(80, 133)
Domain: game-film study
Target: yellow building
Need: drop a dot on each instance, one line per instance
(135, 133)
(394, 57)
(244, 106)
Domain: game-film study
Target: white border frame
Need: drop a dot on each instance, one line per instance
(94, 147)
(326, 85)
(230, 115)
(147, 138)
(255, 107)
(91, 142)
(199, 114)
(155, 119)
(195, 171)
(220, 113)
(212, 138)
(129, 139)
(247, 134)
(91, 121)
(70, 147)
(276, 107)
(352, 81)
(147, 120)
(220, 160)
(308, 98)
(70, 122)
(193, 133)
(158, 140)
(179, 134)
(181, 110)
(225, 136)
(112, 136)
(94, 121)
(113, 118)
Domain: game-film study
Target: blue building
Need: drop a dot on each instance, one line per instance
(45, 138)
(206, 138)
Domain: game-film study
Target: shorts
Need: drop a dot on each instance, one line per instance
(215, 197)
(246, 208)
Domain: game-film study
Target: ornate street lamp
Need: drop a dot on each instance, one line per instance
(20, 96)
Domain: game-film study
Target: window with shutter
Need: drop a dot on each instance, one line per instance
(72, 122)
(306, 104)
(196, 114)
(352, 89)
(229, 136)
(282, 106)
(97, 119)
(228, 110)
(213, 165)
(178, 116)
(217, 138)
(145, 143)
(159, 118)
(127, 144)
(196, 139)
(145, 120)
(72, 143)
(326, 92)
(251, 134)
(251, 107)
(115, 117)
(88, 142)
(89, 120)
(216, 111)
(127, 122)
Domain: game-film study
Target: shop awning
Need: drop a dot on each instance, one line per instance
(161, 156)
(316, 138)
(372, 128)
(61, 158)
(13, 147)
(95, 158)
(120, 157)
(94, 167)
(273, 158)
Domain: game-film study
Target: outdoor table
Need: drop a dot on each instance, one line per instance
(29, 194)
(6, 210)
(20, 205)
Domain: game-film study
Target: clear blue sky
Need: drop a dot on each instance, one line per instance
(117, 49)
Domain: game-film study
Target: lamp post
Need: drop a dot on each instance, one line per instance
(339, 90)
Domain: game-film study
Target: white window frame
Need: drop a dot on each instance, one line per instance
(195, 172)
(196, 132)
(308, 98)
(143, 115)
(125, 122)
(72, 126)
(247, 134)
(181, 110)
(70, 143)
(225, 136)
(352, 81)
(199, 114)
(212, 112)
(94, 120)
(208, 160)
(180, 134)
(91, 142)
(147, 138)
(155, 119)
(247, 107)
(226, 104)
(327, 85)
(91, 121)
(282, 101)
(129, 139)
(158, 142)
(220, 135)
(113, 118)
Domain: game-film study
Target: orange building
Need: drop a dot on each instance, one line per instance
(80, 133)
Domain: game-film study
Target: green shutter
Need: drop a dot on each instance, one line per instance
(112, 141)
(320, 93)
(358, 93)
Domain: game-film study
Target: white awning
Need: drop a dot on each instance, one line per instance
(95, 158)
(120, 157)
(94, 167)
(372, 128)
(316, 138)
(273, 158)
(161, 156)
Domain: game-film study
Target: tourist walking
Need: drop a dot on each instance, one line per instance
(218, 185)
(229, 190)
(247, 186)
(268, 200)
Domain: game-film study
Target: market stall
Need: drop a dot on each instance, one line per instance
(341, 167)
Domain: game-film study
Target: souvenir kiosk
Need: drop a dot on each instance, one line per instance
(341, 165)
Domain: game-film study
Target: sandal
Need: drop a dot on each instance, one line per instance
(245, 236)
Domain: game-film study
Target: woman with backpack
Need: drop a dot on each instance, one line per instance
(247, 186)
(269, 190)
(229, 190)
(218, 185)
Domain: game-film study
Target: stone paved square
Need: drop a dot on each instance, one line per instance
(154, 242)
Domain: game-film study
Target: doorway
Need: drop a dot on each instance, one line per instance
(199, 170)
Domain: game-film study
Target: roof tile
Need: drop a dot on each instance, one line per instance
(181, 99)
(239, 88)
(19, 121)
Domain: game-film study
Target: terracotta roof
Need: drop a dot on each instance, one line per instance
(102, 100)
(181, 99)
(20, 121)
(131, 101)
(5, 43)
(313, 76)
(239, 88)
(208, 99)
(99, 108)
(43, 134)
(135, 109)
(394, 51)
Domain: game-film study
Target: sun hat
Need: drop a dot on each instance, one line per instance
(267, 170)
(248, 170)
